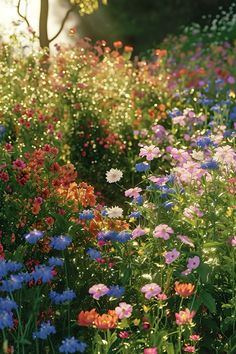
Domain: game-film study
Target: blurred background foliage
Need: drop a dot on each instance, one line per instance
(144, 23)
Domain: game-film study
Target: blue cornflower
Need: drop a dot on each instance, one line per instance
(43, 273)
(228, 133)
(86, 215)
(12, 284)
(72, 345)
(116, 291)
(204, 142)
(33, 236)
(135, 214)
(45, 330)
(142, 167)
(60, 242)
(210, 165)
(107, 236)
(58, 298)
(123, 236)
(104, 212)
(13, 266)
(93, 253)
(168, 204)
(232, 115)
(7, 304)
(2, 131)
(6, 319)
(53, 262)
(139, 200)
(216, 108)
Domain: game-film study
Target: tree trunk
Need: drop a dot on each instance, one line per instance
(43, 25)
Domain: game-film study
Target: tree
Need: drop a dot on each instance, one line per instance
(82, 6)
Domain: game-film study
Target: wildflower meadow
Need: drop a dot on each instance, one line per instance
(117, 197)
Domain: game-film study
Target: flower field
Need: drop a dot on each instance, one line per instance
(117, 199)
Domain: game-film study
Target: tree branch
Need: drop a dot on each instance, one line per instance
(62, 24)
(20, 14)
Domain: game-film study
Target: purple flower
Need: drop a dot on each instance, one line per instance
(58, 298)
(193, 263)
(33, 237)
(171, 256)
(6, 319)
(151, 290)
(98, 290)
(72, 345)
(53, 262)
(45, 330)
(116, 291)
(93, 253)
(43, 273)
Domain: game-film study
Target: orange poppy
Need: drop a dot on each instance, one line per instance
(184, 289)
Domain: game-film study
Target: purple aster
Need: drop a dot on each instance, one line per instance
(60, 242)
(171, 256)
(45, 330)
(72, 345)
(193, 263)
(33, 237)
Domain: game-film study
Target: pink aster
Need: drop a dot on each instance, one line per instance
(124, 310)
(189, 349)
(138, 231)
(195, 337)
(163, 231)
(150, 152)
(133, 192)
(98, 290)
(171, 256)
(151, 290)
(18, 164)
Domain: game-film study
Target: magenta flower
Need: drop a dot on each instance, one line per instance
(124, 334)
(193, 263)
(186, 240)
(124, 310)
(133, 192)
(150, 152)
(98, 290)
(163, 231)
(150, 351)
(18, 164)
(138, 231)
(171, 256)
(151, 290)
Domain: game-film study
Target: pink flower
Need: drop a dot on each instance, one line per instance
(193, 263)
(124, 334)
(163, 231)
(133, 192)
(150, 351)
(18, 164)
(186, 240)
(138, 231)
(171, 256)
(192, 211)
(151, 290)
(124, 310)
(225, 154)
(233, 241)
(195, 337)
(98, 290)
(189, 349)
(184, 317)
(150, 152)
(162, 297)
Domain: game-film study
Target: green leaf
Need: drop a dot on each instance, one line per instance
(204, 271)
(208, 301)
(170, 348)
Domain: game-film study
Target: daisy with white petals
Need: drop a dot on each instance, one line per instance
(114, 175)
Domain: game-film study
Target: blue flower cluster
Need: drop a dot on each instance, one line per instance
(6, 316)
(93, 253)
(204, 142)
(60, 242)
(116, 291)
(2, 131)
(232, 115)
(43, 273)
(7, 267)
(135, 214)
(58, 298)
(122, 236)
(55, 262)
(86, 215)
(210, 165)
(142, 167)
(72, 345)
(45, 330)
(33, 237)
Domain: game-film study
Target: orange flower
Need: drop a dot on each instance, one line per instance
(106, 321)
(128, 49)
(184, 289)
(35, 208)
(117, 44)
(87, 318)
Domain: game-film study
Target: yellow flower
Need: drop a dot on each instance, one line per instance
(229, 212)
(146, 308)
(136, 322)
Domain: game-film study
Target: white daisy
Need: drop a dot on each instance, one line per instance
(115, 212)
(114, 175)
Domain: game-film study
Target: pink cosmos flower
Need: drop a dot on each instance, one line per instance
(18, 164)
(171, 256)
(133, 192)
(151, 290)
(150, 351)
(150, 152)
(193, 263)
(98, 290)
(184, 317)
(124, 310)
(163, 231)
(138, 231)
(189, 349)
(186, 240)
